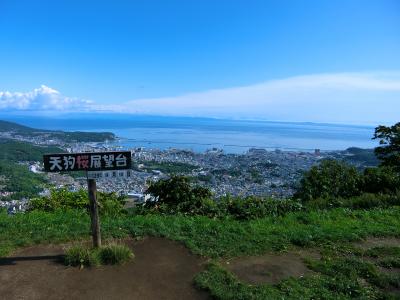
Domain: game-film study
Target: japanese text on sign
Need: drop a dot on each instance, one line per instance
(94, 161)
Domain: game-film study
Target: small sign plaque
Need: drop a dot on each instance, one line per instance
(88, 161)
(109, 174)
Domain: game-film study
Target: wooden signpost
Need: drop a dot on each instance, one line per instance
(89, 161)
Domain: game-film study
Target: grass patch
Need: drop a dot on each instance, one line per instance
(386, 256)
(81, 256)
(205, 236)
(389, 262)
(341, 273)
(222, 284)
(383, 251)
(112, 254)
(115, 254)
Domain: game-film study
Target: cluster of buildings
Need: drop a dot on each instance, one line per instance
(257, 172)
(14, 206)
(38, 139)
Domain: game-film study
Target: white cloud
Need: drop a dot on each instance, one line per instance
(43, 98)
(363, 98)
(342, 98)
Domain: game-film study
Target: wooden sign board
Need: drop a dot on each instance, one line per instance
(87, 161)
(92, 162)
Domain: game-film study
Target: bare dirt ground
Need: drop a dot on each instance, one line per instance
(378, 242)
(272, 267)
(161, 269)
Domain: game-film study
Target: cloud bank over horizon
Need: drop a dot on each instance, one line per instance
(41, 99)
(352, 98)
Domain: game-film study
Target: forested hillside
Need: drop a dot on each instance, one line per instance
(15, 177)
(75, 136)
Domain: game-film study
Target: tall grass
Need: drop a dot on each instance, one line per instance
(112, 254)
(115, 254)
(79, 255)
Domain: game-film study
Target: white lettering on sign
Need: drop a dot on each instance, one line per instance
(121, 160)
(55, 162)
(95, 161)
(109, 174)
(69, 162)
(109, 160)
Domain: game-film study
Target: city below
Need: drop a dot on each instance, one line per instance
(257, 172)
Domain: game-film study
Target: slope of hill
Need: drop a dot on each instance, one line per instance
(364, 156)
(13, 129)
(16, 181)
(16, 151)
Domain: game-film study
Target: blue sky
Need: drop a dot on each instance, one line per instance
(105, 55)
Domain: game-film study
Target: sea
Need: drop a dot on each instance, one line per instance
(201, 134)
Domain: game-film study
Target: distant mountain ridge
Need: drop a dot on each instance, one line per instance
(65, 136)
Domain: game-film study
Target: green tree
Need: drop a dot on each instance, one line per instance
(176, 190)
(382, 180)
(389, 139)
(330, 178)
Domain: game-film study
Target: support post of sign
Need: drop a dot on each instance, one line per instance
(94, 214)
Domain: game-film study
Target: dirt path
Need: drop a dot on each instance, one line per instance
(271, 267)
(162, 269)
(372, 242)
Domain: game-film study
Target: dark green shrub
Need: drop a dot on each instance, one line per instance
(199, 206)
(235, 207)
(243, 209)
(364, 201)
(255, 207)
(381, 180)
(368, 201)
(110, 204)
(176, 190)
(177, 195)
(203, 207)
(61, 199)
(330, 179)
